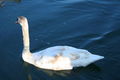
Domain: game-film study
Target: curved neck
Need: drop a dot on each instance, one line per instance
(25, 31)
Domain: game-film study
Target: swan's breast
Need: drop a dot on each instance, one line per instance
(28, 58)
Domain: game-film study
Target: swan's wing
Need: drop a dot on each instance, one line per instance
(63, 51)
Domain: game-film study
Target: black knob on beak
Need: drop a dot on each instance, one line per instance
(17, 21)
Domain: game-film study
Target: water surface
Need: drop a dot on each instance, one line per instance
(88, 24)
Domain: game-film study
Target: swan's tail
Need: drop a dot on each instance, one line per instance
(86, 61)
(93, 58)
(96, 57)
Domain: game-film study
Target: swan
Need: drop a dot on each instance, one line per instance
(57, 57)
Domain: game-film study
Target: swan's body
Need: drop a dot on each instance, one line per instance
(57, 57)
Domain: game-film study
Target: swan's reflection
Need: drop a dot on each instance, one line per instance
(29, 76)
(58, 73)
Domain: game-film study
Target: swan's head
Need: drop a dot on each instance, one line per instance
(22, 20)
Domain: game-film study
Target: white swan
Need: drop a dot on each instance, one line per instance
(57, 57)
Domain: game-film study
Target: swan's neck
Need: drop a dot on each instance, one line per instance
(25, 31)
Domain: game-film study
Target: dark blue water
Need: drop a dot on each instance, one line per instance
(89, 24)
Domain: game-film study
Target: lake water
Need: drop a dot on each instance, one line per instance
(88, 24)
